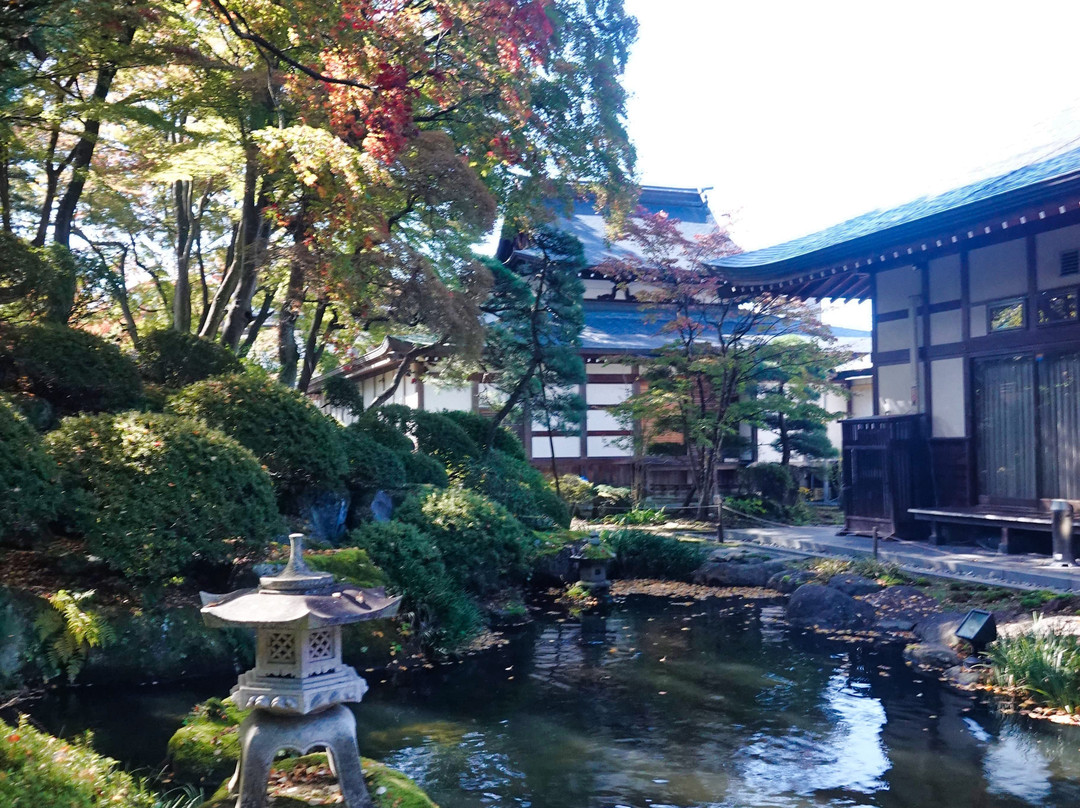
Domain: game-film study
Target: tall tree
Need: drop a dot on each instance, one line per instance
(701, 384)
(789, 392)
(534, 334)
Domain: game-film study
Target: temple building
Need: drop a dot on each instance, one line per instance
(616, 325)
(976, 352)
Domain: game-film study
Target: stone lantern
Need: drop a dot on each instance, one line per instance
(593, 560)
(299, 685)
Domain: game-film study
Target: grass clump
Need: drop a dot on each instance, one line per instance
(38, 770)
(1042, 664)
(205, 749)
(641, 554)
(638, 516)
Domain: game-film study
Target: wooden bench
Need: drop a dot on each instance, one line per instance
(999, 517)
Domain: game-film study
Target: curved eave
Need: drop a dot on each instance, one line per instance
(842, 270)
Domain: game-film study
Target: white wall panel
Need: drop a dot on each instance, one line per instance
(997, 271)
(894, 335)
(1048, 249)
(606, 447)
(946, 327)
(438, 397)
(978, 321)
(607, 394)
(948, 398)
(894, 390)
(603, 421)
(945, 279)
(564, 447)
(895, 288)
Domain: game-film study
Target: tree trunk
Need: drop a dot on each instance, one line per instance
(238, 314)
(83, 152)
(288, 353)
(5, 190)
(313, 346)
(257, 324)
(185, 242)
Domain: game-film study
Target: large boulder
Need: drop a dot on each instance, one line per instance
(739, 573)
(854, 585)
(823, 607)
(787, 581)
(931, 656)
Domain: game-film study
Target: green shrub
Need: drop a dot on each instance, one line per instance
(37, 770)
(384, 425)
(73, 370)
(372, 466)
(156, 493)
(300, 447)
(28, 492)
(519, 487)
(612, 499)
(442, 438)
(175, 359)
(772, 481)
(577, 492)
(1044, 665)
(478, 428)
(482, 544)
(414, 567)
(423, 469)
(350, 564)
(344, 393)
(638, 516)
(641, 554)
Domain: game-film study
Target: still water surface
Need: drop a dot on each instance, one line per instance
(663, 706)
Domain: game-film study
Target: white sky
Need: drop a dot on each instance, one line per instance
(804, 114)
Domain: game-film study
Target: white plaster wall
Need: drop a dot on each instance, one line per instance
(611, 368)
(765, 452)
(946, 327)
(978, 321)
(948, 398)
(603, 421)
(446, 397)
(599, 446)
(997, 271)
(862, 397)
(1048, 249)
(895, 288)
(945, 279)
(564, 446)
(410, 392)
(894, 390)
(894, 335)
(490, 396)
(607, 394)
(594, 288)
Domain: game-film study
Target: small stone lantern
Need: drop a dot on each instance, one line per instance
(593, 560)
(299, 685)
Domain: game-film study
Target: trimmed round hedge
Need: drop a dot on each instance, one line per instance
(157, 495)
(175, 359)
(414, 565)
(73, 370)
(299, 445)
(478, 428)
(372, 466)
(423, 469)
(518, 486)
(28, 494)
(481, 542)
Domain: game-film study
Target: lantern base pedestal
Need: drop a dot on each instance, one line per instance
(263, 734)
(292, 695)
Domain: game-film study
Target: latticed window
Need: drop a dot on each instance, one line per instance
(281, 648)
(320, 645)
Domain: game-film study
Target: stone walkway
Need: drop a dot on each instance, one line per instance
(964, 562)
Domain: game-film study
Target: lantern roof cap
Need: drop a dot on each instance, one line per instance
(298, 597)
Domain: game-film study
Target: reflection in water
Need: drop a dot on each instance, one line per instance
(686, 706)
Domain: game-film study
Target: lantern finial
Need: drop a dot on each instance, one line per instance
(297, 576)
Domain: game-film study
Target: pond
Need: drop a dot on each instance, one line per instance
(664, 705)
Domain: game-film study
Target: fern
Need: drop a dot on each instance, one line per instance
(68, 631)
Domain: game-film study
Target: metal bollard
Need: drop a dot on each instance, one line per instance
(1061, 521)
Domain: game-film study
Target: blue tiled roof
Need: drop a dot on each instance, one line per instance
(628, 327)
(1045, 172)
